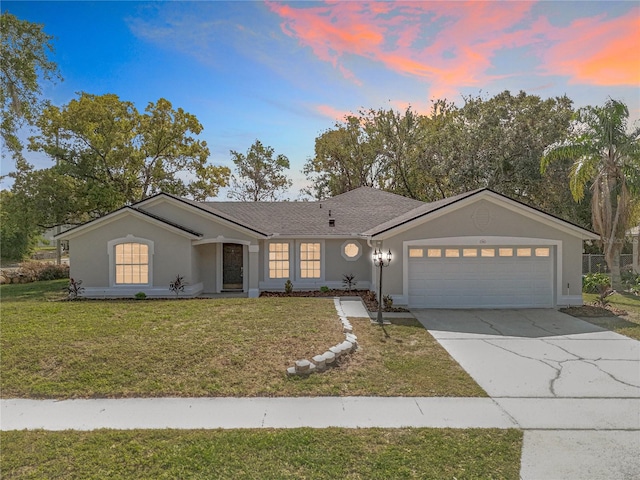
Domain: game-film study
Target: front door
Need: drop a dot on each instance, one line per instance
(232, 266)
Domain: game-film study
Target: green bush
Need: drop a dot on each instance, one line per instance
(592, 282)
(140, 296)
(324, 289)
(631, 281)
(288, 286)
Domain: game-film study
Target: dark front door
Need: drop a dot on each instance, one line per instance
(232, 266)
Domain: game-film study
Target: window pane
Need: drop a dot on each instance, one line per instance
(524, 252)
(469, 252)
(351, 250)
(132, 263)
(416, 252)
(452, 252)
(488, 252)
(542, 252)
(506, 252)
(310, 260)
(278, 260)
(434, 252)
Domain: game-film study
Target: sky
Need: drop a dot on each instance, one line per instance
(285, 72)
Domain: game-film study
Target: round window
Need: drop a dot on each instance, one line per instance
(351, 250)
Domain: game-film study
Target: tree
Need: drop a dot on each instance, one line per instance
(606, 160)
(110, 155)
(17, 234)
(375, 148)
(24, 63)
(259, 176)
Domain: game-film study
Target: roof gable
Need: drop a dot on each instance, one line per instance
(429, 211)
(128, 211)
(203, 209)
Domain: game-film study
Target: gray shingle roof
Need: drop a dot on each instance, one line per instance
(353, 212)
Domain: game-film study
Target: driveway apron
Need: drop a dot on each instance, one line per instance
(574, 387)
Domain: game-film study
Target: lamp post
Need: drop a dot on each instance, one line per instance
(380, 260)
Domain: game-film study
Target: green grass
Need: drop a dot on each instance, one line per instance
(196, 348)
(263, 454)
(628, 324)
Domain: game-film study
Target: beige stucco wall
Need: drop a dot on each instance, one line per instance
(205, 261)
(89, 257)
(503, 222)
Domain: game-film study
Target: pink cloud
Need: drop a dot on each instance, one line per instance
(452, 45)
(332, 113)
(597, 51)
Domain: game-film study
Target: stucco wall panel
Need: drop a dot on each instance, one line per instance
(89, 257)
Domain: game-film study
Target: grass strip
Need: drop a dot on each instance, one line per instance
(263, 454)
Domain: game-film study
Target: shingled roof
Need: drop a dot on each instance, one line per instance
(353, 212)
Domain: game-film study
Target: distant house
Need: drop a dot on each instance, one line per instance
(478, 249)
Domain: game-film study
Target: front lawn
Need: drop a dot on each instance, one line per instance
(263, 454)
(196, 348)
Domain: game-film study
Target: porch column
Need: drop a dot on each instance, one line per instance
(254, 270)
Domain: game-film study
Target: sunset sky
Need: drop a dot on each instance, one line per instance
(283, 72)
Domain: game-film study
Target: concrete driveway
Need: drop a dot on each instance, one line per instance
(572, 386)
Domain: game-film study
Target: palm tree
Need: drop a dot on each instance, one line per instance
(606, 157)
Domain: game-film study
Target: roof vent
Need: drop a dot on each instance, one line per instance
(329, 212)
(332, 222)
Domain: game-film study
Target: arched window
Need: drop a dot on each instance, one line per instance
(131, 261)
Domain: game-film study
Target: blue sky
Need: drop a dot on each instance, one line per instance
(283, 72)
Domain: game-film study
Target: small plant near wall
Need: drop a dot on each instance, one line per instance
(324, 289)
(387, 302)
(74, 289)
(349, 281)
(592, 282)
(140, 296)
(604, 291)
(288, 286)
(177, 286)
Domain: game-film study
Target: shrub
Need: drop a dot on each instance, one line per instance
(387, 301)
(288, 286)
(140, 296)
(631, 281)
(53, 272)
(349, 281)
(592, 282)
(37, 271)
(74, 288)
(177, 286)
(324, 289)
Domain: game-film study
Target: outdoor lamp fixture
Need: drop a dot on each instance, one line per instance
(380, 260)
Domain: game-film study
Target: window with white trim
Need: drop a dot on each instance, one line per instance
(310, 260)
(279, 260)
(131, 263)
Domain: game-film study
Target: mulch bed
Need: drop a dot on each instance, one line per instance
(592, 311)
(367, 297)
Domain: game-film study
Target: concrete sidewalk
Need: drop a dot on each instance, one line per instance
(212, 413)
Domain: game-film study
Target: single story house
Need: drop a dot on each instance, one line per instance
(475, 250)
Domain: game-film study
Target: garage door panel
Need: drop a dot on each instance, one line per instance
(490, 282)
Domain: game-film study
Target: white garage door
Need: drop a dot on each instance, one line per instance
(481, 277)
